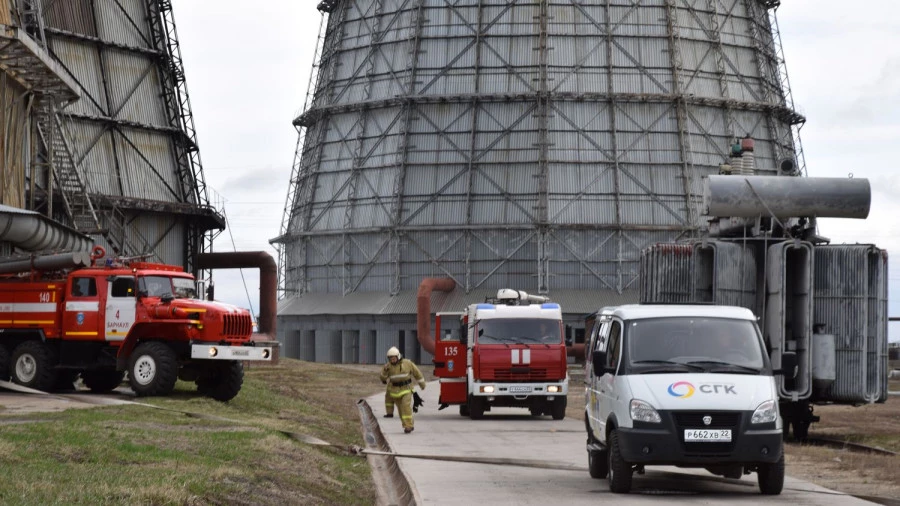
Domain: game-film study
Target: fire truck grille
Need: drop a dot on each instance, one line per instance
(523, 374)
(237, 325)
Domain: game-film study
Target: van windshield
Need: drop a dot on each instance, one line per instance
(686, 340)
(518, 331)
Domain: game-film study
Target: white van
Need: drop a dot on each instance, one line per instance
(683, 385)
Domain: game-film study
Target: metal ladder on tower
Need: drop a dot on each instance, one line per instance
(66, 177)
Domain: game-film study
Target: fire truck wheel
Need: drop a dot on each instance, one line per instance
(153, 369)
(65, 381)
(476, 408)
(4, 364)
(33, 365)
(221, 381)
(558, 408)
(463, 410)
(102, 381)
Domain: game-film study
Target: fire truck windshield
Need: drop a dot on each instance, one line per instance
(519, 331)
(160, 286)
(184, 288)
(155, 286)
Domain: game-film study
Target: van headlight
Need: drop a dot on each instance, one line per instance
(643, 412)
(766, 412)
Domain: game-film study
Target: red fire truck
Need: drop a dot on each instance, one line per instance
(508, 351)
(78, 315)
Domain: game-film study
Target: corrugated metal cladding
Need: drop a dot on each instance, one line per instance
(540, 145)
(127, 143)
(14, 125)
(851, 303)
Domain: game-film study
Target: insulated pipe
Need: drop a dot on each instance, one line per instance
(46, 262)
(784, 197)
(423, 308)
(268, 279)
(31, 231)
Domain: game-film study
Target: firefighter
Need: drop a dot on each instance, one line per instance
(398, 374)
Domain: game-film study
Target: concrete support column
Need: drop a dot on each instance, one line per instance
(411, 346)
(290, 344)
(349, 346)
(328, 346)
(367, 347)
(308, 345)
(384, 339)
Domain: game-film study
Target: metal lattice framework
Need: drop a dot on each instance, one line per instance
(517, 143)
(124, 158)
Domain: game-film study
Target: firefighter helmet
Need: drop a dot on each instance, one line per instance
(393, 352)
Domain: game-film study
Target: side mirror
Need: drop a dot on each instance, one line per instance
(598, 358)
(167, 298)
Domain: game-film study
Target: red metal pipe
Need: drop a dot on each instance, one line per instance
(268, 280)
(576, 351)
(423, 308)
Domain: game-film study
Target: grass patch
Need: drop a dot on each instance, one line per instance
(140, 455)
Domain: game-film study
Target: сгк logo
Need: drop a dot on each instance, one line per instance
(681, 389)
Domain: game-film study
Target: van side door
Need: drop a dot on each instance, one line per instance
(601, 331)
(608, 394)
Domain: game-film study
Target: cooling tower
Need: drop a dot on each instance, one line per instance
(115, 158)
(538, 145)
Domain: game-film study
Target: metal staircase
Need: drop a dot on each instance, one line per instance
(66, 178)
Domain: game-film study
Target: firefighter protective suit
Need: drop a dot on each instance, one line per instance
(399, 374)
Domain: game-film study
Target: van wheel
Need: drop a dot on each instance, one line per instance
(476, 408)
(221, 381)
(102, 381)
(598, 464)
(771, 477)
(153, 369)
(558, 408)
(619, 470)
(33, 365)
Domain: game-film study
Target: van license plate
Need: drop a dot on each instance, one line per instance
(723, 435)
(519, 390)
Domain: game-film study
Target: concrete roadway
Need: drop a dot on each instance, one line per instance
(513, 434)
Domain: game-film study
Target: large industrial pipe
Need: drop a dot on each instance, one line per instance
(423, 308)
(46, 262)
(785, 197)
(31, 231)
(268, 280)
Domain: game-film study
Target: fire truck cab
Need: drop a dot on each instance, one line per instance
(508, 351)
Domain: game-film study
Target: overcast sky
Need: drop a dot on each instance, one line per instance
(247, 66)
